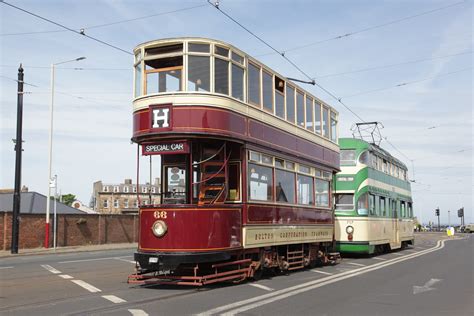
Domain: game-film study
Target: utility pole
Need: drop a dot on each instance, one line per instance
(18, 149)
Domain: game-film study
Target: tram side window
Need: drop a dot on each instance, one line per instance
(199, 73)
(333, 127)
(322, 193)
(363, 204)
(254, 84)
(267, 91)
(234, 182)
(345, 201)
(410, 209)
(138, 80)
(221, 76)
(299, 109)
(382, 206)
(309, 114)
(317, 117)
(163, 75)
(325, 122)
(371, 204)
(402, 209)
(285, 186)
(237, 82)
(290, 104)
(260, 183)
(364, 158)
(279, 97)
(305, 190)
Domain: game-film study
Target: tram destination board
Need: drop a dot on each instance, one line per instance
(163, 148)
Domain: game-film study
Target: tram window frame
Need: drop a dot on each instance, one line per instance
(309, 117)
(267, 91)
(290, 104)
(254, 91)
(279, 89)
(410, 209)
(305, 183)
(317, 118)
(269, 183)
(382, 205)
(176, 66)
(206, 46)
(288, 186)
(138, 77)
(333, 126)
(372, 209)
(201, 84)
(345, 161)
(300, 112)
(165, 185)
(325, 122)
(363, 204)
(341, 200)
(327, 193)
(236, 92)
(223, 83)
(238, 178)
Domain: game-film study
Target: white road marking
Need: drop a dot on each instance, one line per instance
(322, 272)
(50, 269)
(356, 264)
(114, 299)
(425, 288)
(397, 254)
(86, 260)
(410, 250)
(130, 261)
(6, 267)
(138, 312)
(263, 287)
(87, 286)
(66, 276)
(420, 247)
(254, 302)
(378, 258)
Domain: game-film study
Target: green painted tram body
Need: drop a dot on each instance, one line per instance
(373, 196)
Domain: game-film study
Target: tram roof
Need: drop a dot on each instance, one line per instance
(174, 40)
(356, 143)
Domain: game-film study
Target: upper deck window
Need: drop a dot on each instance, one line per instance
(198, 48)
(290, 104)
(163, 75)
(348, 156)
(333, 127)
(300, 109)
(325, 122)
(199, 73)
(279, 97)
(237, 58)
(237, 82)
(317, 117)
(254, 84)
(164, 50)
(267, 91)
(138, 80)
(309, 114)
(221, 51)
(221, 76)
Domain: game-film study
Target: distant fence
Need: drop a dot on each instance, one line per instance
(72, 230)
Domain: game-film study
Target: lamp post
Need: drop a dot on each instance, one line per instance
(50, 157)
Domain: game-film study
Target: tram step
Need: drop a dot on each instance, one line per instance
(295, 257)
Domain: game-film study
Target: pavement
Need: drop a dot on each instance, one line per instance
(59, 250)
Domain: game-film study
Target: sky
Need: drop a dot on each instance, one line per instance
(425, 106)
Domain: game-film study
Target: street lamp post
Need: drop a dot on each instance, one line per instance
(50, 157)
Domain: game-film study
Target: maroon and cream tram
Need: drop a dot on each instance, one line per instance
(246, 159)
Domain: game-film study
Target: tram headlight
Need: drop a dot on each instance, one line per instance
(159, 228)
(349, 230)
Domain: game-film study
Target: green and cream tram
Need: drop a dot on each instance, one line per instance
(373, 203)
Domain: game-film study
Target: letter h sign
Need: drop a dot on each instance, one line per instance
(160, 117)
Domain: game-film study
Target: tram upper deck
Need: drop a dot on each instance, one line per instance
(204, 86)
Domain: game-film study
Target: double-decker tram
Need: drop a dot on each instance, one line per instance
(374, 210)
(247, 161)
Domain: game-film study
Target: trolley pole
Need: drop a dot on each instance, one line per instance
(18, 149)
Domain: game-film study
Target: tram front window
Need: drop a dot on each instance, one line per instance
(163, 75)
(175, 185)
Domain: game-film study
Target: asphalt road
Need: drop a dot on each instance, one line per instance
(433, 278)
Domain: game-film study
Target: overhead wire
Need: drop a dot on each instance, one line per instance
(109, 24)
(390, 65)
(405, 83)
(368, 28)
(67, 28)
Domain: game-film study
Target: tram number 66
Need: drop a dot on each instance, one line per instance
(160, 214)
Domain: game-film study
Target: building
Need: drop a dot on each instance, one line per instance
(33, 203)
(124, 197)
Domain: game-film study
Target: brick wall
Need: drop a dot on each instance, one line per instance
(72, 230)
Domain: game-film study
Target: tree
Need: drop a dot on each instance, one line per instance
(68, 198)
